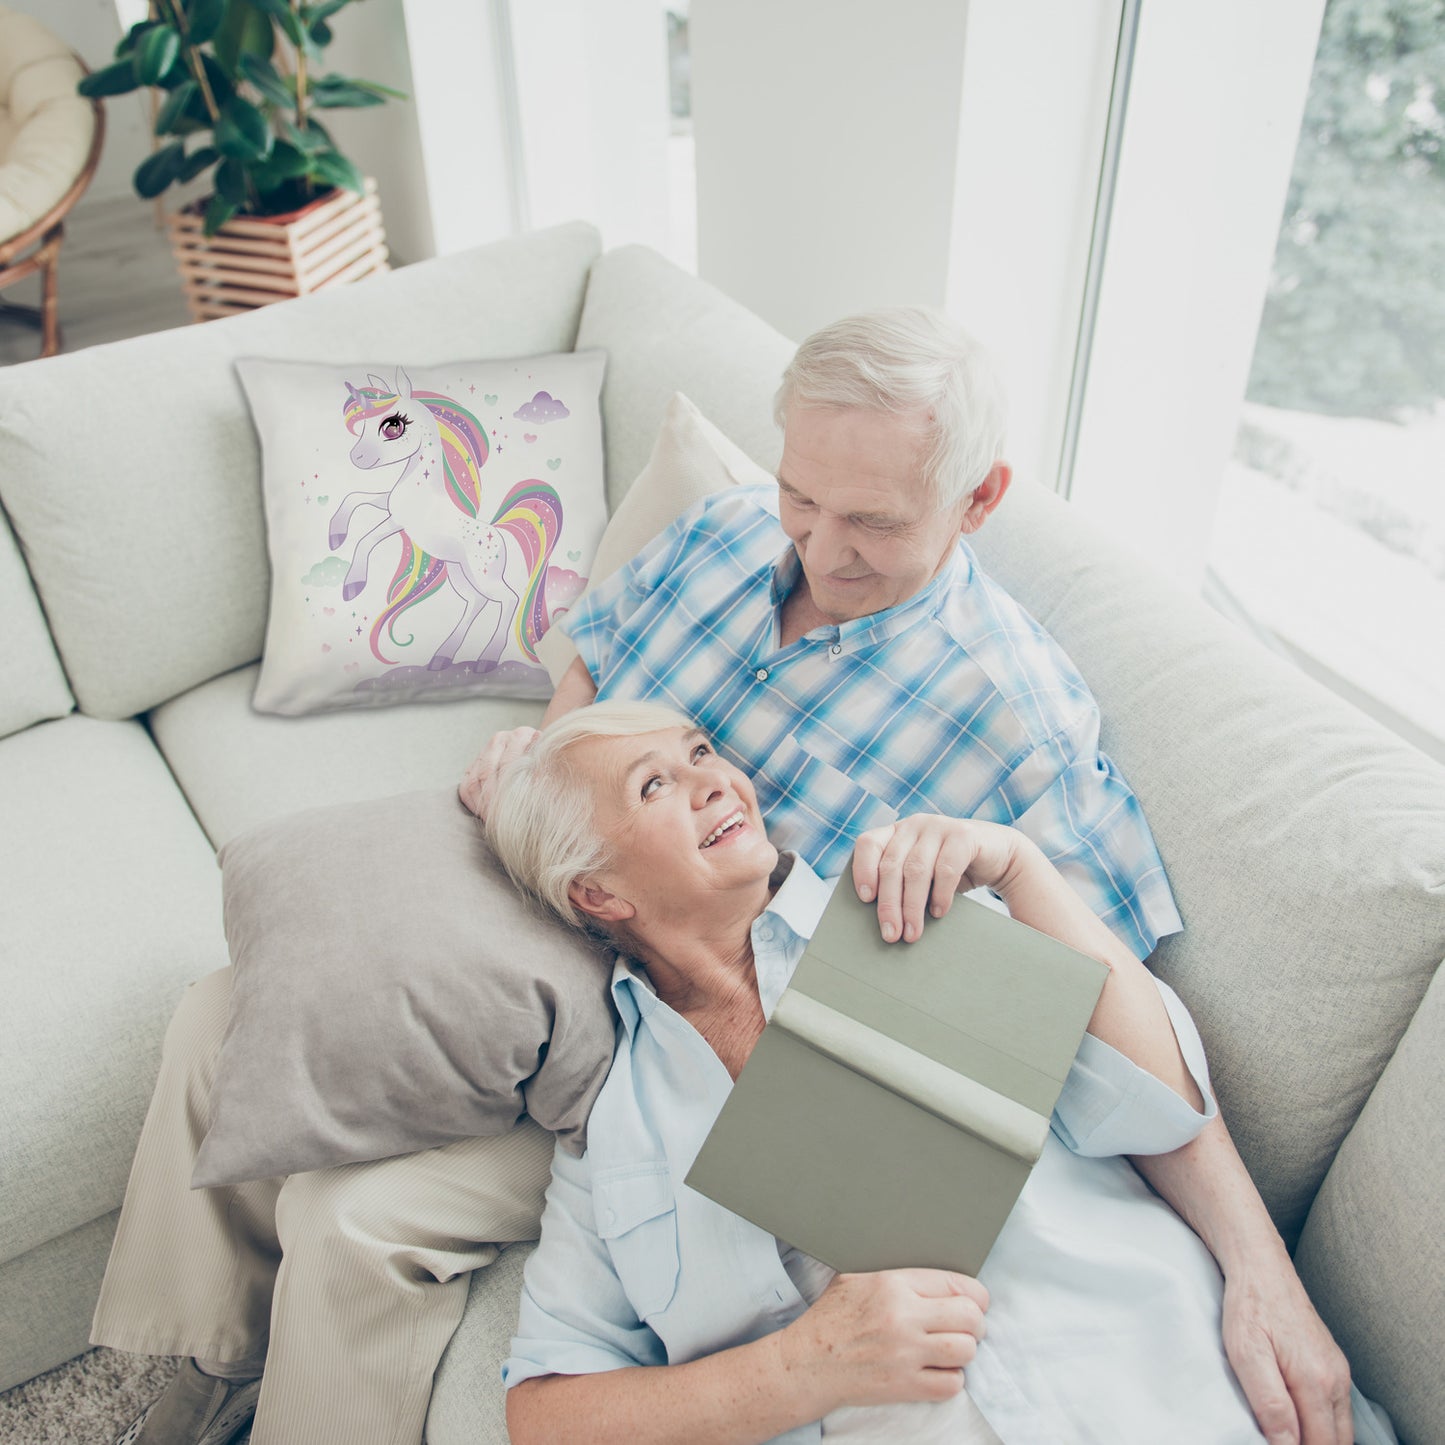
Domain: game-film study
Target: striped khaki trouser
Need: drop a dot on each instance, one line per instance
(350, 1281)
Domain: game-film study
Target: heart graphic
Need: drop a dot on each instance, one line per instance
(351, 666)
(574, 556)
(554, 462)
(529, 436)
(490, 400)
(323, 500)
(326, 647)
(329, 611)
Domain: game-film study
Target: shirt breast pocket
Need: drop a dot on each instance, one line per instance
(636, 1213)
(816, 809)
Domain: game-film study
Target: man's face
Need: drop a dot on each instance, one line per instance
(851, 496)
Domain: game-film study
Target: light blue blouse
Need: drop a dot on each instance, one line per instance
(1105, 1316)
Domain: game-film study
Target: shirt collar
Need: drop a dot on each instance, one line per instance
(779, 933)
(879, 626)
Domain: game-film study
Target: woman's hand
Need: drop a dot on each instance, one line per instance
(874, 1339)
(918, 864)
(475, 788)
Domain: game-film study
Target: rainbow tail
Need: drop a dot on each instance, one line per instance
(531, 513)
(418, 575)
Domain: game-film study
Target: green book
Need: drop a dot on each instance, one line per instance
(900, 1094)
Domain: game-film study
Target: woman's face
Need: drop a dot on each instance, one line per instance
(681, 823)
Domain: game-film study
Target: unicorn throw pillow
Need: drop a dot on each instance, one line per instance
(426, 524)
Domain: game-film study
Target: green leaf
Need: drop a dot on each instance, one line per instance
(231, 182)
(278, 89)
(115, 79)
(157, 171)
(218, 212)
(244, 31)
(242, 131)
(377, 88)
(203, 19)
(332, 92)
(319, 33)
(222, 85)
(285, 17)
(287, 162)
(174, 108)
(157, 52)
(131, 38)
(333, 168)
(324, 11)
(197, 161)
(312, 140)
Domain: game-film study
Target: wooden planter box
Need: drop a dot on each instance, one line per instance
(255, 260)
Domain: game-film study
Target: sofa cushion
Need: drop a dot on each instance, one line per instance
(1372, 1254)
(392, 993)
(150, 442)
(1301, 840)
(35, 687)
(239, 767)
(111, 905)
(664, 331)
(483, 480)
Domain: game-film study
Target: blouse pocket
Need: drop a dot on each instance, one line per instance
(637, 1217)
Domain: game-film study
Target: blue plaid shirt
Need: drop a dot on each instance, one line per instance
(955, 702)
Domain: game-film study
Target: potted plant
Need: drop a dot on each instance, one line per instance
(240, 84)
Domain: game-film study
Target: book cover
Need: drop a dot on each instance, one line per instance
(895, 1103)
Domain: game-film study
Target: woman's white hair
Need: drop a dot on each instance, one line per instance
(542, 819)
(908, 360)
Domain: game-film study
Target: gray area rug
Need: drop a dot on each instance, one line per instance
(86, 1402)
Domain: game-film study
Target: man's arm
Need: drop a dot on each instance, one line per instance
(1295, 1377)
(475, 789)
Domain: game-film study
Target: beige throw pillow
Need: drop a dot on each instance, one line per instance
(691, 459)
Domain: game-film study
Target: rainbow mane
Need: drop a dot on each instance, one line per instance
(464, 439)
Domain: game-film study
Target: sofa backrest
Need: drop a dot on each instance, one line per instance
(665, 331)
(1302, 841)
(34, 687)
(132, 472)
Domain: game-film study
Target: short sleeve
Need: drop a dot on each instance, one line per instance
(575, 1318)
(1109, 1105)
(597, 621)
(1076, 805)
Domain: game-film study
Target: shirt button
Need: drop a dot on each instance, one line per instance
(836, 648)
(761, 674)
(765, 933)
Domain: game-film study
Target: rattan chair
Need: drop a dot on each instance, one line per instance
(50, 139)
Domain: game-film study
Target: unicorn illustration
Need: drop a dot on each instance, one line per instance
(435, 503)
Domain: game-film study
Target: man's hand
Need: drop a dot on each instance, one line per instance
(1295, 1377)
(475, 788)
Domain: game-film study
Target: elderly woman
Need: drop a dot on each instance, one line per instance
(654, 1314)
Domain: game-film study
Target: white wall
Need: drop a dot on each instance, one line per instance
(1036, 83)
(593, 115)
(826, 136)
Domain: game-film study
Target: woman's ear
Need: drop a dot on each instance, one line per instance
(596, 902)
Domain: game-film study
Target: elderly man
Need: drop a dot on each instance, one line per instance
(838, 640)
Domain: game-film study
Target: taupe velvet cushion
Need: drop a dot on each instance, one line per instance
(393, 993)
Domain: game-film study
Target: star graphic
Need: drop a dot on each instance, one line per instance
(472, 388)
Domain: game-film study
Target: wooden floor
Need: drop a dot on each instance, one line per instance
(117, 279)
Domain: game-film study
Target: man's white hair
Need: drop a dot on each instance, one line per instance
(908, 361)
(542, 820)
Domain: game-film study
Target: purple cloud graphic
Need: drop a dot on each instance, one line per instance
(542, 408)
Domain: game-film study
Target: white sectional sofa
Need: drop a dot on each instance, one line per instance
(1305, 845)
